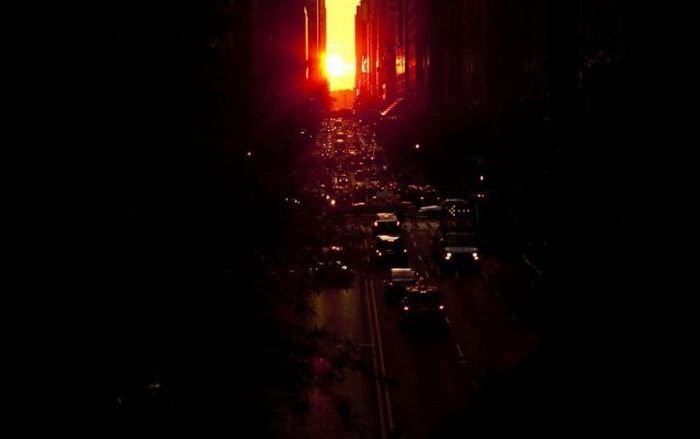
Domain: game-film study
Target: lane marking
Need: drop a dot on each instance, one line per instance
(380, 406)
(459, 351)
(420, 257)
(381, 356)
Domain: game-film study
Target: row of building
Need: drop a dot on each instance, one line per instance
(466, 54)
(275, 50)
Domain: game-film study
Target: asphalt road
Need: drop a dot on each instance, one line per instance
(425, 375)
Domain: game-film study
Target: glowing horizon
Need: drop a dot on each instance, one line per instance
(340, 44)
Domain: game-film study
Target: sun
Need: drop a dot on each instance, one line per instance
(335, 66)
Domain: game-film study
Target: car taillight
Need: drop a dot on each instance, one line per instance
(441, 307)
(406, 308)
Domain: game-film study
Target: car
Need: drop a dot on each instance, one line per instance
(422, 302)
(333, 273)
(390, 250)
(430, 212)
(399, 279)
(341, 180)
(456, 250)
(332, 252)
(361, 179)
(386, 224)
(421, 195)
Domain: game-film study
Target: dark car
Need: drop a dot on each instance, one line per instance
(386, 224)
(333, 273)
(390, 250)
(399, 279)
(430, 212)
(421, 195)
(454, 250)
(422, 303)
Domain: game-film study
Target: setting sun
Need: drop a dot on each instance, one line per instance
(340, 59)
(335, 66)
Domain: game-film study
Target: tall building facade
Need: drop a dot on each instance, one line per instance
(315, 39)
(452, 54)
(287, 45)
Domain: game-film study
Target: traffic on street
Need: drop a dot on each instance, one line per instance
(417, 301)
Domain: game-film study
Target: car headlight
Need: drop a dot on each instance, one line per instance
(475, 255)
(448, 256)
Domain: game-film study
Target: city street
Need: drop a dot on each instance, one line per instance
(425, 374)
(346, 219)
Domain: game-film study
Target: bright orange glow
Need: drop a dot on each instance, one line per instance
(340, 43)
(335, 66)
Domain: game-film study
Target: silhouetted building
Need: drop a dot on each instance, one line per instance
(366, 22)
(287, 45)
(376, 27)
(411, 49)
(452, 54)
(315, 39)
